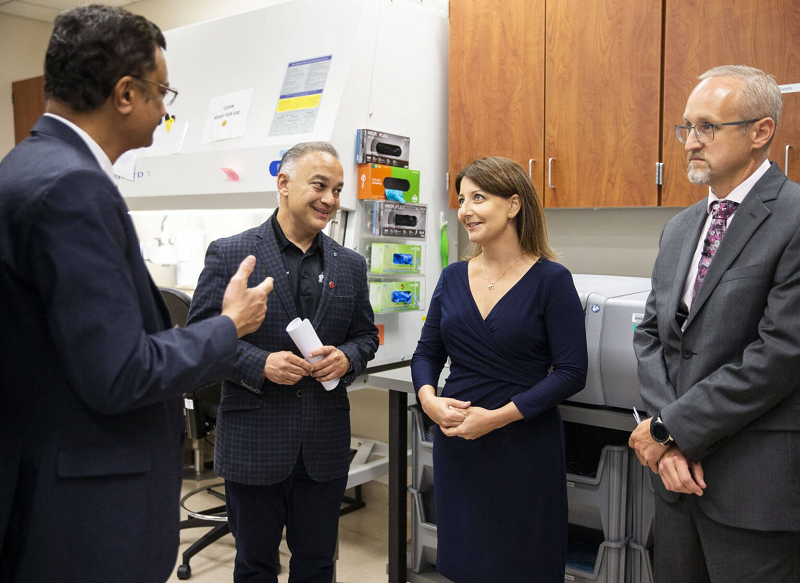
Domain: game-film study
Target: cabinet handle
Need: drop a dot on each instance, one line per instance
(530, 168)
(550, 173)
(786, 161)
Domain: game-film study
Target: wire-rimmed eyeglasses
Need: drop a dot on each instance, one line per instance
(704, 132)
(168, 94)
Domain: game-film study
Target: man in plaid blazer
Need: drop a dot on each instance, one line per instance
(283, 441)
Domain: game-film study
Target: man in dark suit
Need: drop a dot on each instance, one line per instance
(91, 417)
(283, 441)
(719, 349)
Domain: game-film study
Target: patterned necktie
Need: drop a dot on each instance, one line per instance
(720, 211)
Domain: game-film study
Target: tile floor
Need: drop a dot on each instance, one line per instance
(363, 543)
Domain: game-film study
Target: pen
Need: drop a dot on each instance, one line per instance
(636, 415)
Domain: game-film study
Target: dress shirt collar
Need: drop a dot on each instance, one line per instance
(737, 194)
(97, 151)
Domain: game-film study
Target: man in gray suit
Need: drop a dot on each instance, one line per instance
(719, 349)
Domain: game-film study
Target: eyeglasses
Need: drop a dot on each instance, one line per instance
(168, 94)
(704, 132)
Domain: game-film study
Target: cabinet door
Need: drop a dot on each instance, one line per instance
(701, 34)
(602, 102)
(496, 83)
(28, 98)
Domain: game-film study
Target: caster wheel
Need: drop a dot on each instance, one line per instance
(184, 572)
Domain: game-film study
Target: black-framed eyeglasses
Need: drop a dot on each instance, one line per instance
(704, 132)
(168, 94)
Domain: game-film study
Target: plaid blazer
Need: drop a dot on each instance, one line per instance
(262, 425)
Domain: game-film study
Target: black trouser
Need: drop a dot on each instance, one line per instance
(310, 512)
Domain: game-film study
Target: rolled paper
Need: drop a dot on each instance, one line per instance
(305, 338)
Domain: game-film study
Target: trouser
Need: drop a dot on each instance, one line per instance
(690, 547)
(310, 512)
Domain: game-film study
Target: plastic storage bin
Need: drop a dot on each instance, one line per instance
(421, 449)
(597, 479)
(423, 530)
(641, 511)
(590, 558)
(642, 504)
(639, 564)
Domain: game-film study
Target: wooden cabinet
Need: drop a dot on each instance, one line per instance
(602, 98)
(577, 81)
(496, 83)
(598, 86)
(699, 35)
(28, 98)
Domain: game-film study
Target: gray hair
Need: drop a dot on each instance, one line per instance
(760, 95)
(298, 151)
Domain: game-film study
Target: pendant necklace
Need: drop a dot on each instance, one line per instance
(491, 283)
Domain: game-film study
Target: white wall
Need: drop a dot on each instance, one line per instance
(604, 241)
(23, 44)
(176, 13)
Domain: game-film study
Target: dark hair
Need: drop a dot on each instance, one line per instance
(91, 48)
(503, 177)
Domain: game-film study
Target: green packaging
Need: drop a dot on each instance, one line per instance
(394, 296)
(395, 258)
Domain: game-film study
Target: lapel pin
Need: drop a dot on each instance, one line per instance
(330, 284)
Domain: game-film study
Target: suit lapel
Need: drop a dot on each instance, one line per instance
(692, 234)
(270, 255)
(749, 216)
(330, 263)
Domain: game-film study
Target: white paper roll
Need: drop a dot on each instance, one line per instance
(305, 338)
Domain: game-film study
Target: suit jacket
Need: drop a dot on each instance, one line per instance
(262, 425)
(91, 422)
(728, 385)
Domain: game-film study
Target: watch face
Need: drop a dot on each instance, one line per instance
(660, 432)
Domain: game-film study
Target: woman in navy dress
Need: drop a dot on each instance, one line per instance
(511, 322)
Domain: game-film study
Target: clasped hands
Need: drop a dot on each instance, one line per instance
(286, 368)
(458, 418)
(678, 473)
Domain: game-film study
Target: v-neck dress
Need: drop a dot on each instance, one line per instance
(501, 500)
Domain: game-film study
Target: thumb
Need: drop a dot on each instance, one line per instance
(458, 404)
(266, 285)
(245, 268)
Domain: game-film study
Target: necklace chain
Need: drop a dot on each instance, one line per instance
(491, 283)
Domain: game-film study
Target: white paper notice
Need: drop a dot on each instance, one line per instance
(227, 116)
(305, 338)
(301, 94)
(166, 142)
(125, 166)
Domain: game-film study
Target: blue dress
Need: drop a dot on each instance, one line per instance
(501, 500)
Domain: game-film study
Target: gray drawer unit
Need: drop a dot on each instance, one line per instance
(421, 450)
(599, 501)
(423, 531)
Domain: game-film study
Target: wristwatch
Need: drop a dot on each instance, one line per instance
(659, 431)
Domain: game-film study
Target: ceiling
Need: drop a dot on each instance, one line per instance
(47, 10)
